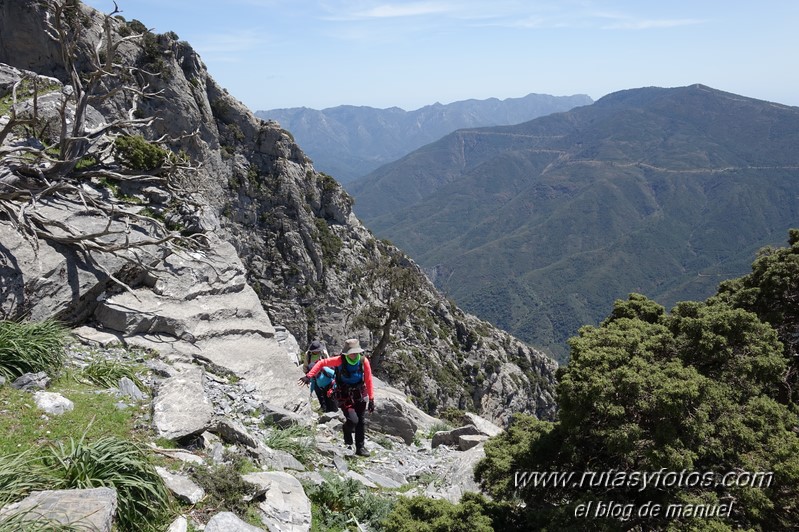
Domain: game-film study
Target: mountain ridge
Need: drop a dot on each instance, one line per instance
(591, 186)
(348, 141)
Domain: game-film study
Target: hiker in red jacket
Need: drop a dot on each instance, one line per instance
(352, 390)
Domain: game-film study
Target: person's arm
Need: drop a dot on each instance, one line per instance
(367, 378)
(323, 363)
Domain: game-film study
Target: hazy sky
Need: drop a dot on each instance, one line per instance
(323, 53)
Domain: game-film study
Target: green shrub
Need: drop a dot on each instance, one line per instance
(420, 514)
(330, 243)
(224, 486)
(29, 347)
(137, 153)
(339, 503)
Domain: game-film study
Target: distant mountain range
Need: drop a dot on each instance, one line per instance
(348, 142)
(538, 227)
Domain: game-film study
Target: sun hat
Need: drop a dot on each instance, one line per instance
(352, 347)
(315, 346)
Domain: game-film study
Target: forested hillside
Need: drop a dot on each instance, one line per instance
(537, 227)
(680, 420)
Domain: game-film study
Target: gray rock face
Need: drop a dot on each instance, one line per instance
(460, 475)
(128, 388)
(32, 381)
(395, 416)
(180, 407)
(285, 506)
(89, 509)
(450, 437)
(275, 459)
(200, 307)
(482, 425)
(467, 441)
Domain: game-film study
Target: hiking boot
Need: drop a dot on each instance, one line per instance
(361, 451)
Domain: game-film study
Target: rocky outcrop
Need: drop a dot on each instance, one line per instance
(286, 245)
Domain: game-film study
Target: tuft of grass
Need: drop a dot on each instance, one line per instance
(106, 373)
(144, 503)
(384, 441)
(31, 347)
(297, 440)
(438, 427)
(20, 474)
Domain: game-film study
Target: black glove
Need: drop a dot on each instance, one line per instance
(371, 406)
(305, 379)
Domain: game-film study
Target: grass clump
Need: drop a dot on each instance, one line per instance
(106, 373)
(144, 503)
(438, 427)
(31, 347)
(31, 521)
(20, 474)
(297, 440)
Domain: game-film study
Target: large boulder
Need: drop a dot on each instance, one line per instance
(87, 509)
(285, 506)
(395, 415)
(180, 406)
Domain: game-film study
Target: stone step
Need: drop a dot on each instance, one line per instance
(143, 312)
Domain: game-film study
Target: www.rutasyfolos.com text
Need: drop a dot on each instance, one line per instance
(641, 480)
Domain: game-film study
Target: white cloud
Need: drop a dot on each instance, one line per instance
(228, 47)
(405, 10)
(646, 24)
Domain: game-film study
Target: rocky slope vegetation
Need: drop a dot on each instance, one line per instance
(277, 233)
(205, 424)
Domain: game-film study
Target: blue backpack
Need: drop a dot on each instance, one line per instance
(325, 377)
(349, 374)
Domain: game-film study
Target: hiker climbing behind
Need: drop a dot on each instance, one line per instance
(353, 390)
(315, 352)
(322, 384)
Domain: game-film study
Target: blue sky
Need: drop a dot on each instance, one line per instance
(323, 53)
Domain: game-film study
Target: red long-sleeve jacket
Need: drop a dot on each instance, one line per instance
(336, 361)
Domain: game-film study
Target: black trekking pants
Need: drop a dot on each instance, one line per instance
(355, 414)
